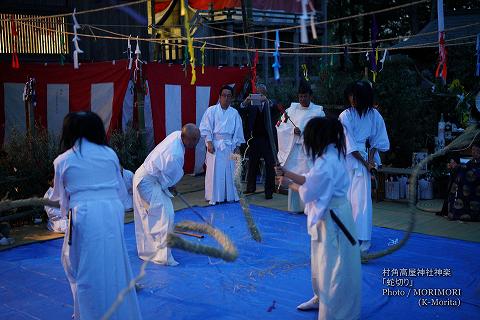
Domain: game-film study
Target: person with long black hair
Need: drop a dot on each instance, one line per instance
(362, 123)
(335, 261)
(90, 188)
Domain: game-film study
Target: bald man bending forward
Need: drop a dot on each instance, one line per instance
(152, 203)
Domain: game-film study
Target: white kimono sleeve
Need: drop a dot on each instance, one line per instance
(317, 191)
(379, 138)
(238, 138)
(285, 139)
(207, 125)
(121, 189)
(59, 193)
(51, 211)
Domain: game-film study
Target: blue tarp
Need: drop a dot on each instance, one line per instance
(268, 280)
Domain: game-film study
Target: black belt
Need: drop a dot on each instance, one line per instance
(342, 227)
(70, 226)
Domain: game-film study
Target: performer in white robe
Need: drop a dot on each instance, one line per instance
(128, 179)
(89, 186)
(221, 126)
(362, 122)
(56, 222)
(335, 262)
(152, 204)
(291, 154)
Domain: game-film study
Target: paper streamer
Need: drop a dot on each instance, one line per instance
(15, 62)
(383, 60)
(442, 51)
(62, 56)
(129, 53)
(253, 82)
(373, 57)
(305, 72)
(75, 40)
(276, 57)
(442, 59)
(138, 62)
(202, 50)
(191, 51)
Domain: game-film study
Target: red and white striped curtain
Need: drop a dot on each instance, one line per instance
(105, 88)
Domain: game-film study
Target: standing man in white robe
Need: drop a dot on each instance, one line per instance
(291, 153)
(221, 126)
(152, 204)
(362, 122)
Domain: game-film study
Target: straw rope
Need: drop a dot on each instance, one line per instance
(464, 141)
(243, 200)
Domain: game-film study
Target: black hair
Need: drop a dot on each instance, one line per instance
(320, 132)
(225, 87)
(348, 92)
(304, 88)
(363, 97)
(85, 124)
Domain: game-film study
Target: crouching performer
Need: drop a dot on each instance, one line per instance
(152, 204)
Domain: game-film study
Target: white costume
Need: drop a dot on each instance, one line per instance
(335, 263)
(357, 130)
(128, 179)
(291, 153)
(152, 204)
(56, 222)
(224, 128)
(88, 183)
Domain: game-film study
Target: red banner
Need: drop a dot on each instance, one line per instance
(99, 87)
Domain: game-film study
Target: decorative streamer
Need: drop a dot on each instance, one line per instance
(29, 91)
(442, 51)
(129, 53)
(305, 72)
(62, 56)
(191, 51)
(477, 73)
(442, 58)
(15, 63)
(202, 50)
(253, 82)
(75, 40)
(373, 56)
(303, 23)
(276, 57)
(136, 71)
(185, 60)
(382, 61)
